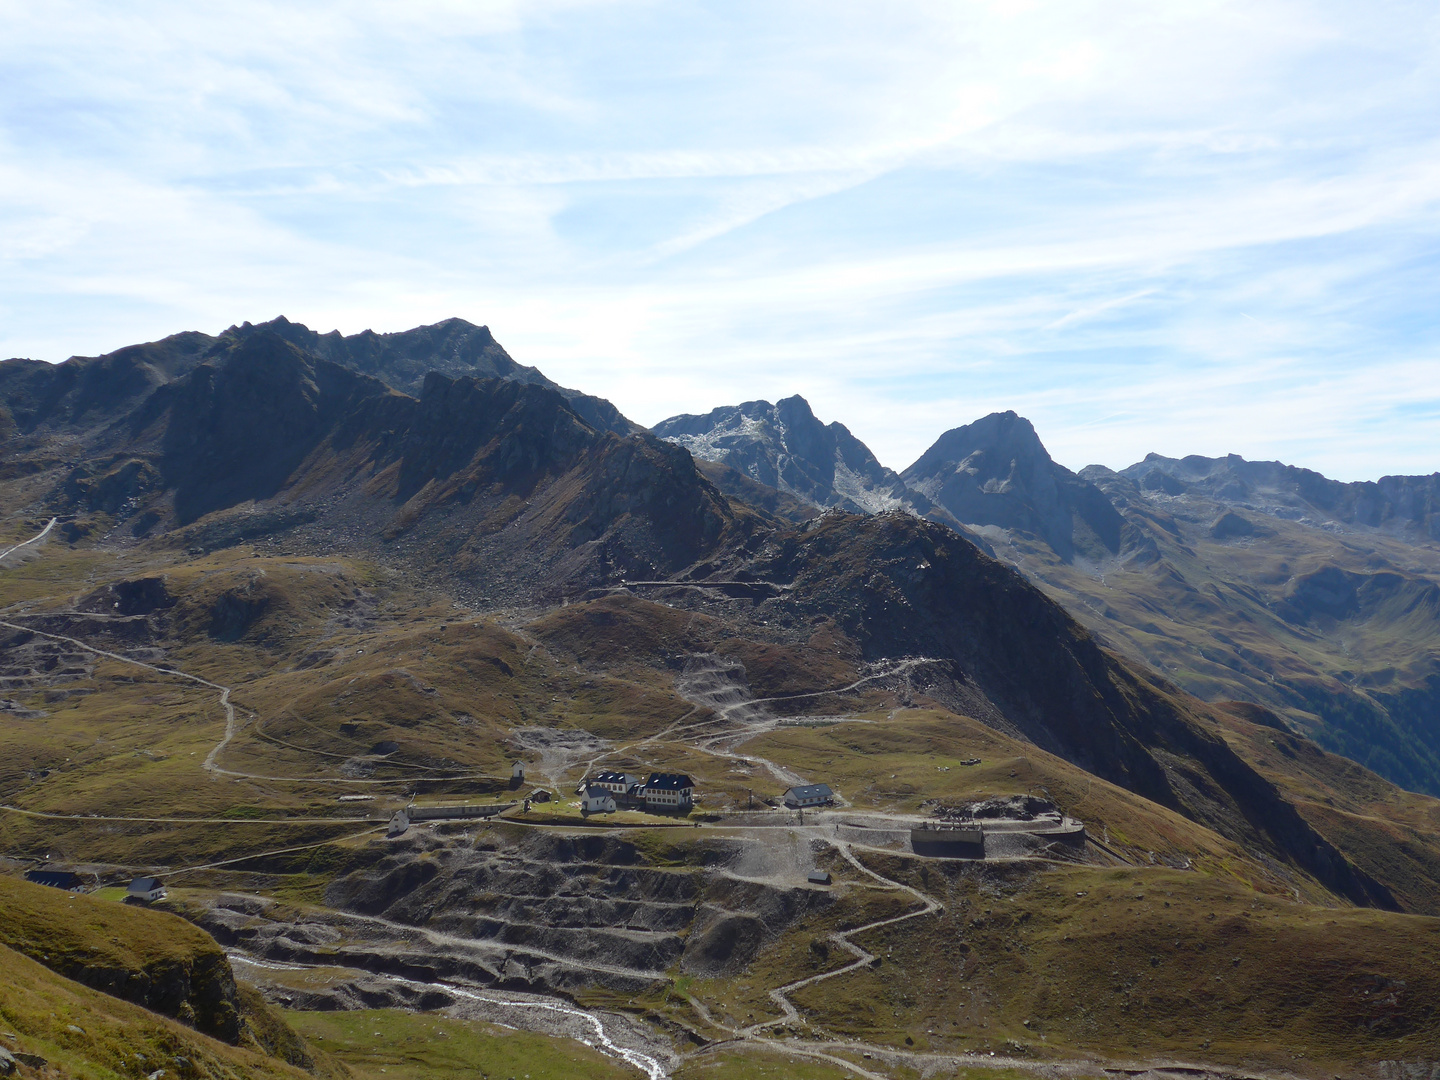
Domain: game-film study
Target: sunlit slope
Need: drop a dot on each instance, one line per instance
(354, 689)
(82, 973)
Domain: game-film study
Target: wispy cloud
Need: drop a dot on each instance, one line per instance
(1186, 226)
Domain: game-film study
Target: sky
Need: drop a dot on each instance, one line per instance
(1179, 226)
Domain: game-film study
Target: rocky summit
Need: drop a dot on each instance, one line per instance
(461, 720)
(784, 446)
(996, 472)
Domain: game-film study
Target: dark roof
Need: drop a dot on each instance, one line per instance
(57, 879)
(608, 777)
(146, 884)
(811, 791)
(669, 781)
(591, 792)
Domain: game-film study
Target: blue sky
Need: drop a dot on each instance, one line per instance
(1187, 227)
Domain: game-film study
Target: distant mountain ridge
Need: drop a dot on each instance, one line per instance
(1250, 580)
(415, 588)
(1398, 504)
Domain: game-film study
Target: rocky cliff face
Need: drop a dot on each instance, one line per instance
(148, 958)
(86, 388)
(785, 447)
(996, 472)
(238, 430)
(499, 480)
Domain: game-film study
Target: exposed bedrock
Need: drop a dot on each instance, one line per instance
(528, 910)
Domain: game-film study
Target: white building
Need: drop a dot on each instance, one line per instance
(517, 771)
(617, 783)
(797, 798)
(146, 888)
(597, 800)
(668, 791)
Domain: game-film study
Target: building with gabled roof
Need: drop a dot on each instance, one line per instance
(617, 783)
(668, 791)
(146, 888)
(597, 800)
(797, 798)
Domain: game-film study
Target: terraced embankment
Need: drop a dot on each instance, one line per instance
(526, 910)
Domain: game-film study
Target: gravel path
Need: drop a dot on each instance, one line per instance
(34, 539)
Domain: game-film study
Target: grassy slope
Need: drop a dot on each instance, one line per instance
(114, 1038)
(1140, 960)
(111, 946)
(409, 1046)
(1389, 832)
(86, 930)
(592, 666)
(339, 657)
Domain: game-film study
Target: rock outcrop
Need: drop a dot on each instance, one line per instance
(148, 958)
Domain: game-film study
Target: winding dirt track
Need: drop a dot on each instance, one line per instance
(780, 995)
(210, 764)
(34, 539)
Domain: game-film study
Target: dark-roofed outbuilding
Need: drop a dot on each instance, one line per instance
(56, 879)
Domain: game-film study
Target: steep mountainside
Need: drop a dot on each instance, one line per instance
(785, 447)
(1239, 580)
(499, 480)
(454, 347)
(995, 472)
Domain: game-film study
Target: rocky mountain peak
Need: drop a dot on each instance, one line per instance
(1002, 437)
(785, 446)
(997, 472)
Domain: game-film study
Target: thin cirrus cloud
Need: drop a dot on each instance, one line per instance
(1195, 226)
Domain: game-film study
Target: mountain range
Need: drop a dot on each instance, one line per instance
(408, 561)
(1239, 580)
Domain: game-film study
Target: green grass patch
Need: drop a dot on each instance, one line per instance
(386, 1044)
